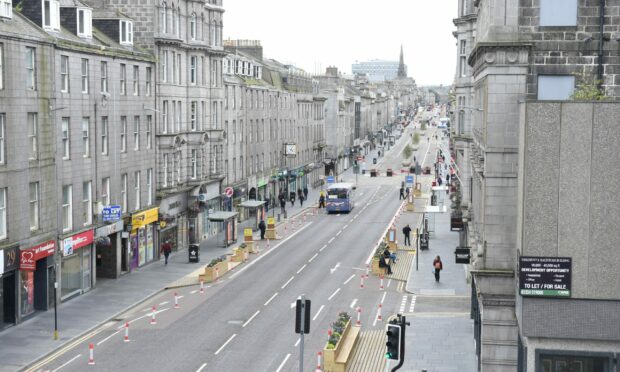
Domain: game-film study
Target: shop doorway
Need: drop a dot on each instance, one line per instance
(86, 270)
(8, 300)
(124, 267)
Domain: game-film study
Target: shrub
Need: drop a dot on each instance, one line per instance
(416, 138)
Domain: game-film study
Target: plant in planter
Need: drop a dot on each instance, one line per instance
(215, 261)
(407, 152)
(416, 138)
(243, 245)
(423, 126)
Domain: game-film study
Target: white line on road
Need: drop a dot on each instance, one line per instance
(302, 268)
(348, 280)
(333, 294)
(331, 271)
(283, 362)
(144, 316)
(345, 226)
(263, 255)
(107, 338)
(67, 363)
(318, 312)
(323, 247)
(353, 303)
(225, 343)
(383, 298)
(331, 240)
(297, 342)
(249, 320)
(290, 280)
(313, 257)
(163, 303)
(194, 291)
(201, 367)
(272, 297)
(339, 232)
(389, 282)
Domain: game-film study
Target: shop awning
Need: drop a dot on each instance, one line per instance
(222, 216)
(252, 203)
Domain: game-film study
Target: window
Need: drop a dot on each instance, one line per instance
(462, 58)
(34, 206)
(178, 166)
(558, 12)
(555, 87)
(84, 23)
(1, 63)
(51, 12)
(126, 32)
(149, 131)
(67, 208)
(31, 74)
(105, 191)
(193, 108)
(192, 26)
(136, 133)
(66, 139)
(123, 77)
(147, 87)
(84, 76)
(136, 189)
(86, 137)
(177, 31)
(104, 135)
(136, 80)
(192, 71)
(165, 171)
(124, 192)
(179, 70)
(149, 186)
(194, 164)
(164, 117)
(87, 202)
(64, 74)
(163, 25)
(33, 132)
(174, 68)
(164, 66)
(104, 77)
(173, 21)
(6, 8)
(123, 133)
(3, 214)
(178, 117)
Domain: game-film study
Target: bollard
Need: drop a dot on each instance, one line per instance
(126, 339)
(202, 286)
(367, 270)
(318, 361)
(362, 282)
(379, 317)
(91, 354)
(359, 314)
(153, 320)
(329, 334)
(381, 287)
(217, 274)
(176, 301)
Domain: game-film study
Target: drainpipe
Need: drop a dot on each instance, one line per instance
(600, 44)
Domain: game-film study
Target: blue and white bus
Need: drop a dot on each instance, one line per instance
(340, 197)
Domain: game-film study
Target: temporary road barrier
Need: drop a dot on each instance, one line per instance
(153, 320)
(126, 338)
(91, 354)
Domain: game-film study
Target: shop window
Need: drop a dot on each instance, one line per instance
(27, 289)
(573, 363)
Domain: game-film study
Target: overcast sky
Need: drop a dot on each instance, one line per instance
(319, 33)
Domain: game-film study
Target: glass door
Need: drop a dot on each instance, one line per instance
(86, 268)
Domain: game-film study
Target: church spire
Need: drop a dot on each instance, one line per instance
(402, 70)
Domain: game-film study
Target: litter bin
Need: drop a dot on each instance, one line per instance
(433, 200)
(374, 160)
(389, 172)
(373, 173)
(194, 253)
(424, 241)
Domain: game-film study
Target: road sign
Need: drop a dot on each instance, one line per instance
(330, 179)
(111, 213)
(409, 181)
(229, 192)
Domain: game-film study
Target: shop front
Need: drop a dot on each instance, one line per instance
(173, 225)
(9, 263)
(143, 239)
(228, 221)
(36, 278)
(110, 261)
(209, 203)
(76, 267)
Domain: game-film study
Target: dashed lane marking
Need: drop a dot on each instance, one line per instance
(348, 280)
(67, 363)
(251, 318)
(201, 367)
(225, 343)
(313, 257)
(353, 303)
(403, 304)
(283, 363)
(412, 305)
(272, 297)
(318, 312)
(287, 283)
(333, 294)
(302, 268)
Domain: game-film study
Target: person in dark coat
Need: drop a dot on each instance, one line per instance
(292, 198)
(305, 193)
(407, 233)
(282, 205)
(262, 228)
(402, 193)
(437, 267)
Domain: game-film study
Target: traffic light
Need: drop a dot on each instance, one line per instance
(393, 341)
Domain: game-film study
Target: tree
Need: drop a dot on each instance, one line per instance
(416, 138)
(407, 152)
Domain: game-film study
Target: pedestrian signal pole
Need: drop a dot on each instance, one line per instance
(396, 341)
(302, 325)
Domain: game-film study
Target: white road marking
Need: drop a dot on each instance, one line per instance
(412, 305)
(263, 255)
(348, 280)
(353, 303)
(293, 304)
(283, 362)
(180, 297)
(345, 226)
(302, 268)
(192, 292)
(67, 363)
(225, 343)
(249, 320)
(144, 316)
(107, 338)
(339, 232)
(333, 294)
(403, 303)
(201, 367)
(383, 298)
(318, 312)
(323, 247)
(272, 297)
(163, 303)
(297, 342)
(331, 240)
(389, 282)
(313, 257)
(331, 271)
(290, 280)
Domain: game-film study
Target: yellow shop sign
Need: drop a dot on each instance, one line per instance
(144, 218)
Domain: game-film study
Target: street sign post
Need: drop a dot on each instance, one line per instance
(330, 180)
(111, 213)
(302, 325)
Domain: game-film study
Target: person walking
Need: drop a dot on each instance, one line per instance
(292, 198)
(166, 248)
(282, 206)
(407, 233)
(437, 267)
(322, 200)
(402, 193)
(306, 193)
(262, 228)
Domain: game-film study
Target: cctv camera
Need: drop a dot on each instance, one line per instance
(105, 95)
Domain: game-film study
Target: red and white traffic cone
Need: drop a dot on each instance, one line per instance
(153, 320)
(176, 301)
(318, 361)
(379, 317)
(381, 287)
(126, 338)
(359, 314)
(91, 354)
(202, 286)
(362, 282)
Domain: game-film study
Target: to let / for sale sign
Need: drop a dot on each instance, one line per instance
(545, 276)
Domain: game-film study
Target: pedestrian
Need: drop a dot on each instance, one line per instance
(292, 198)
(437, 267)
(300, 194)
(301, 199)
(407, 233)
(439, 181)
(322, 200)
(267, 204)
(306, 193)
(390, 255)
(402, 193)
(383, 263)
(166, 248)
(262, 228)
(447, 179)
(283, 206)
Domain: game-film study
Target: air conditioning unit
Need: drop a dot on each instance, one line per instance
(202, 197)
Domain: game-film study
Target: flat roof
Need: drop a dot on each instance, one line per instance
(340, 185)
(435, 209)
(222, 216)
(252, 203)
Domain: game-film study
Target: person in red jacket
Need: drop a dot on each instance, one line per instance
(437, 267)
(166, 248)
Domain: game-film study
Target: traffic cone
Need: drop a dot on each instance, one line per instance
(362, 282)
(217, 274)
(318, 361)
(381, 287)
(126, 338)
(359, 314)
(379, 317)
(91, 354)
(367, 270)
(176, 301)
(153, 320)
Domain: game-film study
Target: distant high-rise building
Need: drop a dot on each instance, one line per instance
(381, 70)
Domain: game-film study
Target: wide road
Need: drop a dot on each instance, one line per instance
(245, 321)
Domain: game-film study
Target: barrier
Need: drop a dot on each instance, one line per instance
(176, 301)
(359, 314)
(91, 354)
(126, 338)
(153, 320)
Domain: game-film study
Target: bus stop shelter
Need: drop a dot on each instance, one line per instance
(256, 210)
(229, 227)
(438, 194)
(428, 216)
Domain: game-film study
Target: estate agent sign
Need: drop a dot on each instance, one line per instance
(545, 276)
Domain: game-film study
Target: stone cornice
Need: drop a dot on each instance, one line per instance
(469, 18)
(498, 54)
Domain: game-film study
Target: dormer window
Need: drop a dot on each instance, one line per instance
(84, 23)
(126, 32)
(6, 9)
(51, 15)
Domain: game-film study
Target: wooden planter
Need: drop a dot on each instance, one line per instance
(337, 359)
(376, 269)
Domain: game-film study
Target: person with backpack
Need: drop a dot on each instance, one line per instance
(437, 267)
